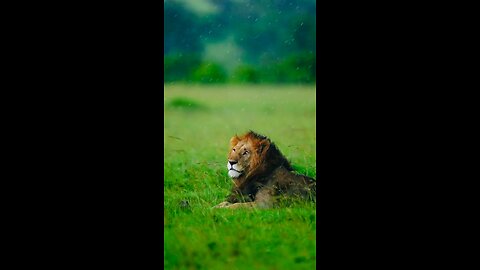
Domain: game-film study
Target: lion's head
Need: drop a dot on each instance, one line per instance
(253, 154)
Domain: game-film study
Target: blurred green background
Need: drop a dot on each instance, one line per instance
(240, 41)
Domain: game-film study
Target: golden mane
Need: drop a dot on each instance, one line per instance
(260, 172)
(265, 157)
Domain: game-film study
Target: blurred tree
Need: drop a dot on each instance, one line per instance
(180, 29)
(296, 68)
(209, 72)
(251, 40)
(299, 68)
(246, 74)
(180, 67)
(304, 33)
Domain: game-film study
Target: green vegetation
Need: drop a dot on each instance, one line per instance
(248, 41)
(296, 68)
(246, 74)
(184, 103)
(209, 73)
(195, 149)
(180, 67)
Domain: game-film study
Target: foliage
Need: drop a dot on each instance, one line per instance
(209, 72)
(180, 31)
(260, 39)
(245, 74)
(179, 67)
(196, 141)
(297, 68)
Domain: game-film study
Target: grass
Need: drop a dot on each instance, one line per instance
(184, 103)
(199, 122)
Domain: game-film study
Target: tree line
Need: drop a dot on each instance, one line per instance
(240, 41)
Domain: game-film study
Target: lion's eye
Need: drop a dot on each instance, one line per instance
(233, 149)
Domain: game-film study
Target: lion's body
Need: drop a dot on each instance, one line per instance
(261, 174)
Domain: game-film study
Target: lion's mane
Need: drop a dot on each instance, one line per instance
(266, 158)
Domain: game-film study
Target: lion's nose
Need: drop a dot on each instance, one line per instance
(232, 162)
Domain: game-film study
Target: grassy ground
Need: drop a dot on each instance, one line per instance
(199, 122)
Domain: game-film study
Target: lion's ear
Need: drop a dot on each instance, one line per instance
(263, 146)
(234, 140)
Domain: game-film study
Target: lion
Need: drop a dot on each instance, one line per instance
(261, 174)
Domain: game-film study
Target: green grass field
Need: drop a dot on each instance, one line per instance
(199, 122)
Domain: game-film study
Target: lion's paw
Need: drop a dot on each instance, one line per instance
(222, 205)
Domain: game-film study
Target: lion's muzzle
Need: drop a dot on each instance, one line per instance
(233, 170)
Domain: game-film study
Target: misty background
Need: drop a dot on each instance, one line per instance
(240, 41)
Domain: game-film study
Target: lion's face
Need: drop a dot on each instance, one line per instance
(245, 154)
(239, 159)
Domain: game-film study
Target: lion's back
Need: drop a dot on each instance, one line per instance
(292, 184)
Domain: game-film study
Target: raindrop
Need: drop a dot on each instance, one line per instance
(256, 19)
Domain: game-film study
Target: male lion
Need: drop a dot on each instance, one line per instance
(261, 174)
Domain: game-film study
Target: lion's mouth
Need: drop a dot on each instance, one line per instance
(234, 173)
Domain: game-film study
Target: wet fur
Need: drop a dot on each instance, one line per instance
(267, 176)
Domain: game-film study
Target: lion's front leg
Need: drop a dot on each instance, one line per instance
(242, 205)
(222, 205)
(263, 200)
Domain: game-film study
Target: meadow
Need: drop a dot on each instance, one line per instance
(199, 122)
